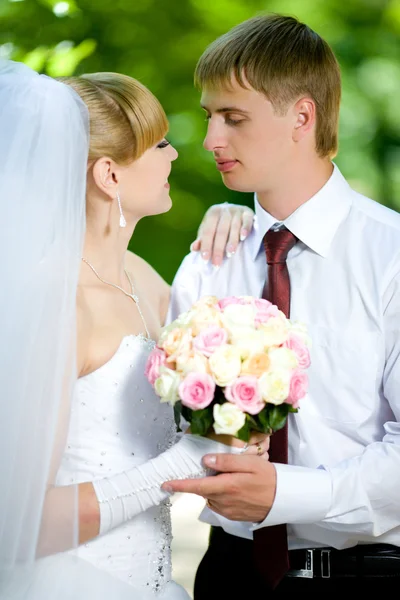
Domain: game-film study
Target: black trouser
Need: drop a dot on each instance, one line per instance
(227, 571)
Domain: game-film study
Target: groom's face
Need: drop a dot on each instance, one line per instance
(251, 143)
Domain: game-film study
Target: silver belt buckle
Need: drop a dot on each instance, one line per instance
(308, 571)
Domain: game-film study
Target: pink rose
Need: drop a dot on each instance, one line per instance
(156, 360)
(210, 339)
(298, 388)
(230, 300)
(296, 344)
(245, 393)
(197, 390)
(265, 310)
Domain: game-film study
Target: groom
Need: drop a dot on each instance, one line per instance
(324, 514)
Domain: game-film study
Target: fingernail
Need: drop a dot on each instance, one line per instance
(205, 256)
(167, 488)
(230, 251)
(216, 267)
(210, 461)
(243, 234)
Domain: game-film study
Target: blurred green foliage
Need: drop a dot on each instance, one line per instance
(159, 42)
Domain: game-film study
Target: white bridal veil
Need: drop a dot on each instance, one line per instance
(43, 158)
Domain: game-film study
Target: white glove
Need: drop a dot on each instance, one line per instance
(123, 496)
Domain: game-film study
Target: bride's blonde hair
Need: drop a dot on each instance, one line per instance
(126, 119)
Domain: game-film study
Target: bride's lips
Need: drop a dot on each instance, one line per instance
(225, 165)
(167, 186)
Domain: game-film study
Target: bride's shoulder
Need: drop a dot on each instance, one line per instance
(147, 278)
(142, 269)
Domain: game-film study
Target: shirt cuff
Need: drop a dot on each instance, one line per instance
(303, 495)
(238, 528)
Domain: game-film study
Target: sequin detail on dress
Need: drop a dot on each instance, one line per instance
(117, 422)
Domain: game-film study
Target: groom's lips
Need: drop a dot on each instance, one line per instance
(224, 165)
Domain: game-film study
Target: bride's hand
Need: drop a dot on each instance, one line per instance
(222, 228)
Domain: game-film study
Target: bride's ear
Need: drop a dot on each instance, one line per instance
(105, 176)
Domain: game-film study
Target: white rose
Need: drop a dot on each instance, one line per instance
(184, 319)
(275, 330)
(300, 329)
(225, 364)
(166, 386)
(165, 332)
(192, 361)
(248, 341)
(228, 418)
(275, 386)
(237, 316)
(282, 358)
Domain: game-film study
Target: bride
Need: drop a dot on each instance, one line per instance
(84, 443)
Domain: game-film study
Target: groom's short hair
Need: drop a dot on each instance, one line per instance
(284, 59)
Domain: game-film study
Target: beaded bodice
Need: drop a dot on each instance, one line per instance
(117, 422)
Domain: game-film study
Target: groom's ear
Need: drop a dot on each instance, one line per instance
(304, 118)
(105, 175)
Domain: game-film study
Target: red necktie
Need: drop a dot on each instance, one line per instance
(270, 543)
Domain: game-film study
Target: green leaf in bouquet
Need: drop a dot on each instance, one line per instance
(292, 409)
(277, 416)
(177, 415)
(201, 421)
(254, 424)
(219, 396)
(244, 433)
(186, 412)
(263, 418)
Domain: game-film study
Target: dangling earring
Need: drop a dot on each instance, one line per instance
(122, 221)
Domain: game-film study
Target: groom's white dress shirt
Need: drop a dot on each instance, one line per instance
(342, 483)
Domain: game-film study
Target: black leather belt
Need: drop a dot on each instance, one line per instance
(375, 560)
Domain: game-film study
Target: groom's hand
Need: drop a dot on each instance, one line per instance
(244, 489)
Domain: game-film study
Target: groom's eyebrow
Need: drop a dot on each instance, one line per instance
(225, 109)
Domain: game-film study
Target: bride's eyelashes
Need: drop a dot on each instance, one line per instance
(163, 144)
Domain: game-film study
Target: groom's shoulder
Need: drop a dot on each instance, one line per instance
(191, 265)
(375, 213)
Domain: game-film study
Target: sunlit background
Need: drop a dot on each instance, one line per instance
(159, 42)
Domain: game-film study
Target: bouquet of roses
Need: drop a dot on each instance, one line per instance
(234, 365)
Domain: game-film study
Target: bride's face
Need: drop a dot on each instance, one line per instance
(143, 184)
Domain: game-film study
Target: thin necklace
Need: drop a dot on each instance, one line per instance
(133, 296)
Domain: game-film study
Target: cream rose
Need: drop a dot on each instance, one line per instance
(203, 318)
(192, 361)
(256, 364)
(275, 386)
(248, 341)
(283, 358)
(275, 330)
(206, 302)
(228, 418)
(237, 316)
(167, 385)
(225, 364)
(176, 341)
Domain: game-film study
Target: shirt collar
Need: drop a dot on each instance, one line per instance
(315, 222)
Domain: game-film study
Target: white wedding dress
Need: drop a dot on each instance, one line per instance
(117, 422)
